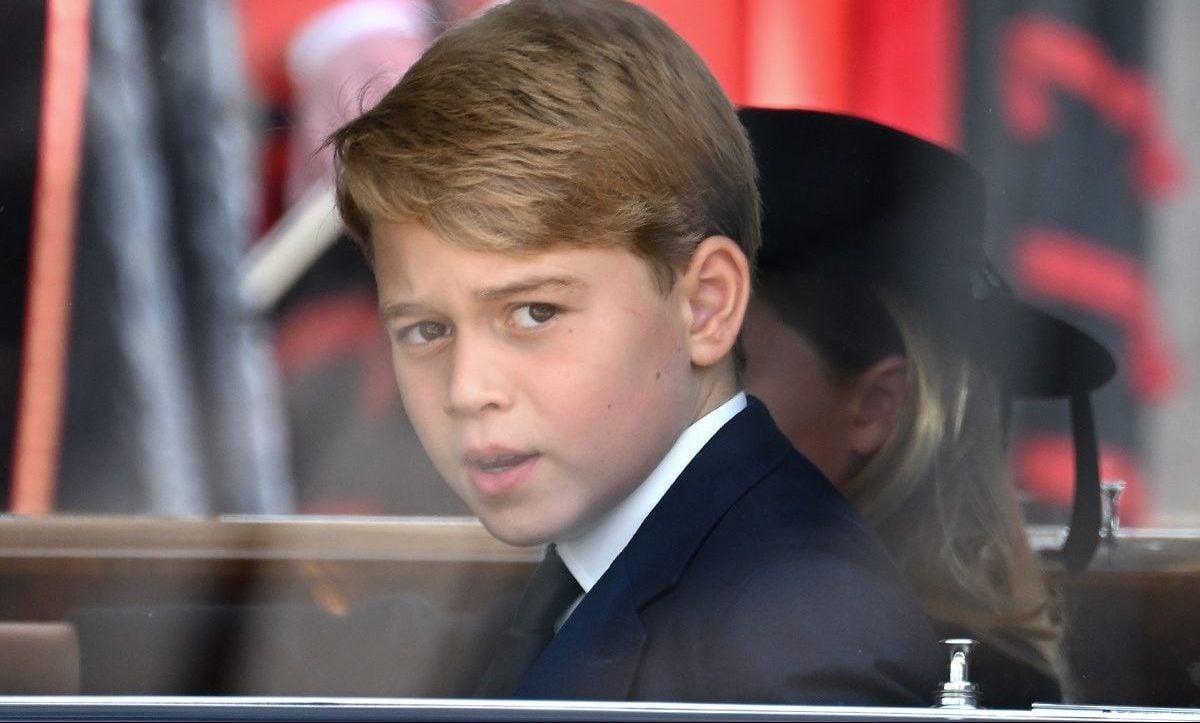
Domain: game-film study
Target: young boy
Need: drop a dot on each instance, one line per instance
(559, 206)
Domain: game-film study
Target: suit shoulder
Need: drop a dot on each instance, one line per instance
(804, 627)
(795, 508)
(791, 575)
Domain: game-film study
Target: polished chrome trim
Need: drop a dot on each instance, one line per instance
(214, 708)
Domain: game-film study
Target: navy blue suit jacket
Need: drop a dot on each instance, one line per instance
(752, 580)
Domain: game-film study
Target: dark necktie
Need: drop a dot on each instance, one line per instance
(551, 589)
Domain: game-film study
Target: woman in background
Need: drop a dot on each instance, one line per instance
(887, 350)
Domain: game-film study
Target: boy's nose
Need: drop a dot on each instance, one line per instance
(477, 382)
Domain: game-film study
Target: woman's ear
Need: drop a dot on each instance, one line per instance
(878, 399)
(715, 289)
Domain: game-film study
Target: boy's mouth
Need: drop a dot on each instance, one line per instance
(499, 462)
(496, 471)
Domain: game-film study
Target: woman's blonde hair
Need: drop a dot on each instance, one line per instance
(940, 494)
(551, 122)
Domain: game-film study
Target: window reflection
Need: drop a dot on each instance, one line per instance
(183, 398)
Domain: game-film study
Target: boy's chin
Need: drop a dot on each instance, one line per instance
(517, 534)
(518, 538)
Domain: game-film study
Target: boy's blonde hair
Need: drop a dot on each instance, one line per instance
(551, 122)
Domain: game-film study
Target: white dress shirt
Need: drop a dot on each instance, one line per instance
(589, 554)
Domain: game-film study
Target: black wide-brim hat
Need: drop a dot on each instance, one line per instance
(848, 198)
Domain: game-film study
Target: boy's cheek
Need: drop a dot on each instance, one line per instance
(410, 378)
(421, 404)
(422, 408)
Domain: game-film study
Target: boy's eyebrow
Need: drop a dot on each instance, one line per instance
(388, 311)
(522, 286)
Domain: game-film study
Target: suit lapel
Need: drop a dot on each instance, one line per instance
(732, 462)
(596, 653)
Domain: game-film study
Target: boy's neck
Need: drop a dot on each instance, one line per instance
(588, 554)
(717, 385)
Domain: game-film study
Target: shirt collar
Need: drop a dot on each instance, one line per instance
(589, 555)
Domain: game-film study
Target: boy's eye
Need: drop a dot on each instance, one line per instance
(423, 332)
(529, 316)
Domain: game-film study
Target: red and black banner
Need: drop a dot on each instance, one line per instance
(1063, 121)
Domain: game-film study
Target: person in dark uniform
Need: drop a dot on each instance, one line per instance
(888, 348)
(559, 206)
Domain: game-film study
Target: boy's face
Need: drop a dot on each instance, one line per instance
(544, 387)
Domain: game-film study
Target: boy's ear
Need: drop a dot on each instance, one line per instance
(715, 288)
(878, 398)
